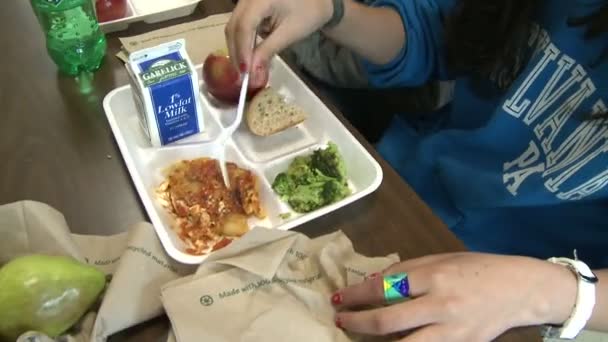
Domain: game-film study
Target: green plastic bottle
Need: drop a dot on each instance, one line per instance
(74, 39)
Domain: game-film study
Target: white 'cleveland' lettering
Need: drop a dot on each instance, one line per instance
(558, 154)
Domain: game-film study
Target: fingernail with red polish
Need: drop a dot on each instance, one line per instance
(338, 322)
(243, 67)
(336, 299)
(374, 275)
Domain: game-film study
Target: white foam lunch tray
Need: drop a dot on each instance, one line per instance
(266, 156)
(145, 12)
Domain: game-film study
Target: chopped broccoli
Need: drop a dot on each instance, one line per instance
(313, 181)
(300, 171)
(334, 191)
(283, 185)
(307, 198)
(330, 162)
(299, 162)
(284, 216)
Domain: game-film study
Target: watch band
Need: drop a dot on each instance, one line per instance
(337, 15)
(585, 300)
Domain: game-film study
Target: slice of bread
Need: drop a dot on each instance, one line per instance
(268, 113)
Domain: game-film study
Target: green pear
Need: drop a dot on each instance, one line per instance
(44, 293)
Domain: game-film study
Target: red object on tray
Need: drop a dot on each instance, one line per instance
(108, 10)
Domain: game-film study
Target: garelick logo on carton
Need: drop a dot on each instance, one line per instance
(170, 85)
(164, 70)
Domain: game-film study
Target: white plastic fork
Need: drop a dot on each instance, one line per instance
(227, 133)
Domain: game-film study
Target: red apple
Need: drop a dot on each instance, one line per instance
(108, 10)
(223, 79)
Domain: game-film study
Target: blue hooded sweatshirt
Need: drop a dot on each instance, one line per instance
(517, 171)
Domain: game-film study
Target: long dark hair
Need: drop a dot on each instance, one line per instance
(487, 38)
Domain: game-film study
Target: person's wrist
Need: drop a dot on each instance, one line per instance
(337, 12)
(557, 297)
(327, 11)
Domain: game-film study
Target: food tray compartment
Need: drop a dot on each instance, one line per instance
(152, 177)
(304, 135)
(119, 24)
(137, 139)
(265, 156)
(265, 149)
(146, 11)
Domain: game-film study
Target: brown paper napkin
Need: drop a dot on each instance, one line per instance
(202, 37)
(135, 260)
(268, 286)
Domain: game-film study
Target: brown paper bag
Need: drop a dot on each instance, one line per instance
(135, 260)
(268, 286)
(202, 37)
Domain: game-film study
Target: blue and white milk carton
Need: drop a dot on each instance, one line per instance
(165, 89)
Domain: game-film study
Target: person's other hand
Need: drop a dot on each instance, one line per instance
(461, 297)
(283, 22)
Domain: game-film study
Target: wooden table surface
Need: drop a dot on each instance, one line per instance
(56, 147)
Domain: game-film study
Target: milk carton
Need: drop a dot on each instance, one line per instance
(165, 89)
